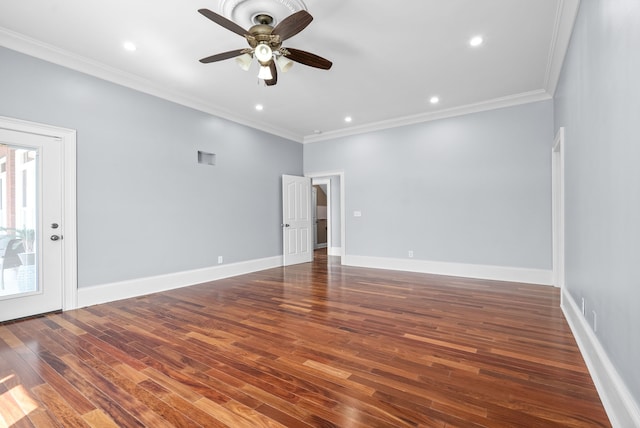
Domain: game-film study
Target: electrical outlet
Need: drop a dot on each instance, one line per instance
(583, 308)
(219, 260)
(410, 254)
(595, 321)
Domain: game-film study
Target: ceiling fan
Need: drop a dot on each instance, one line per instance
(265, 43)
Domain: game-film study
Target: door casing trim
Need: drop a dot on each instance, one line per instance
(69, 242)
(328, 174)
(558, 208)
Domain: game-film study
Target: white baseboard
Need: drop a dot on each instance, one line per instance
(334, 251)
(498, 273)
(622, 409)
(104, 293)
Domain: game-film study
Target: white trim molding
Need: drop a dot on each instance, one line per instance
(566, 14)
(508, 101)
(558, 198)
(55, 55)
(327, 182)
(622, 409)
(497, 273)
(104, 293)
(334, 251)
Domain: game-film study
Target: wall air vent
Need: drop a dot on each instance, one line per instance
(205, 158)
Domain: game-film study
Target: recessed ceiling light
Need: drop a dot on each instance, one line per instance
(129, 46)
(475, 41)
(434, 100)
(348, 119)
(259, 107)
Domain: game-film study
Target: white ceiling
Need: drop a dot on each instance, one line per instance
(388, 57)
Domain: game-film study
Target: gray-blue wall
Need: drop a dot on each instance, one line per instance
(145, 206)
(470, 189)
(598, 103)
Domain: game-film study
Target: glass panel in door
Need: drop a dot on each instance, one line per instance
(18, 220)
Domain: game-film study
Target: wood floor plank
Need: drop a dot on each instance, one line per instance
(11, 412)
(43, 418)
(99, 419)
(57, 382)
(311, 345)
(59, 407)
(129, 381)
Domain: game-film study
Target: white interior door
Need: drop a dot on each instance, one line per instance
(297, 232)
(30, 229)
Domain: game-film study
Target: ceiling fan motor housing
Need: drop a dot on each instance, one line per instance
(247, 13)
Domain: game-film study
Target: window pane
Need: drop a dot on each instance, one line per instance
(18, 219)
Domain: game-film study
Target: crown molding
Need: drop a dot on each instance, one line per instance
(49, 53)
(563, 28)
(565, 18)
(496, 103)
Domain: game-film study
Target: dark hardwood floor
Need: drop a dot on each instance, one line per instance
(314, 345)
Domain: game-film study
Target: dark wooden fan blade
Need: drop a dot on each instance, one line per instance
(292, 24)
(222, 56)
(274, 73)
(224, 22)
(307, 58)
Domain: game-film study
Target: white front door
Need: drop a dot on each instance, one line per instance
(297, 229)
(31, 226)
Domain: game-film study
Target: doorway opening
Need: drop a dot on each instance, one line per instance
(320, 203)
(329, 217)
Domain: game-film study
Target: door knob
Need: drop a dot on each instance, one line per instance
(56, 237)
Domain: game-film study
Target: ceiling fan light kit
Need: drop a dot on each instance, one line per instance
(265, 73)
(244, 61)
(264, 54)
(284, 63)
(265, 41)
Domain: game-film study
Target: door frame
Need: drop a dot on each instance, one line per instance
(314, 215)
(327, 182)
(343, 217)
(558, 205)
(67, 138)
